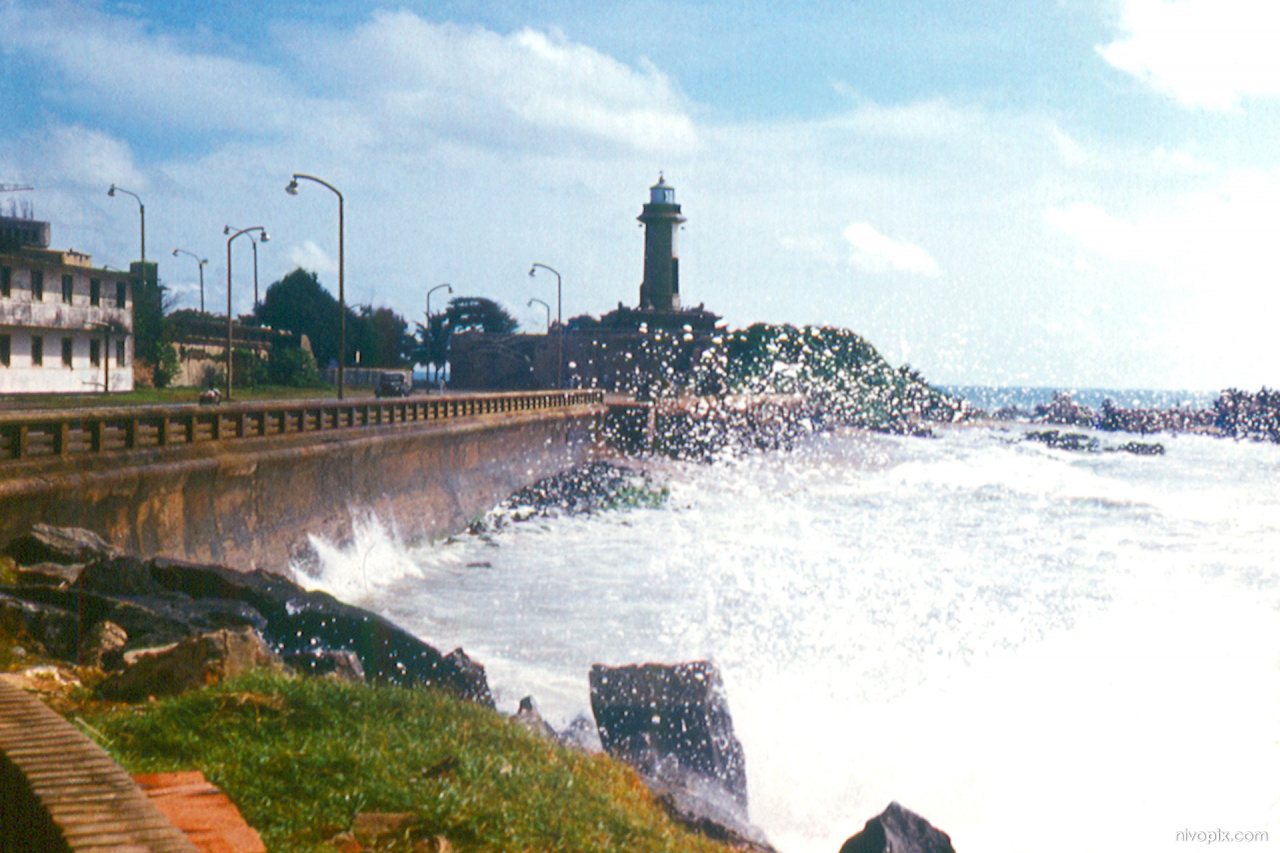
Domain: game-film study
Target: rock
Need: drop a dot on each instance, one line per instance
(195, 662)
(672, 724)
(337, 664)
(657, 717)
(123, 576)
(301, 621)
(582, 735)
(65, 545)
(49, 574)
(897, 830)
(50, 629)
(527, 715)
(103, 641)
(1065, 441)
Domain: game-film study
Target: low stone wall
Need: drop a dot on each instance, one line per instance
(247, 503)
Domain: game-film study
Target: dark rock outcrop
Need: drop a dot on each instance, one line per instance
(159, 602)
(672, 724)
(897, 830)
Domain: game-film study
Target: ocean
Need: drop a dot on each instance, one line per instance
(1035, 649)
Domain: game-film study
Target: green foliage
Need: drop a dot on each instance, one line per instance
(381, 337)
(168, 368)
(293, 367)
(471, 313)
(251, 369)
(302, 757)
(299, 304)
(839, 372)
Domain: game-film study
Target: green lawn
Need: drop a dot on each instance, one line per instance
(301, 757)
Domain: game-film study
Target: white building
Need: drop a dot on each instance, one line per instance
(65, 326)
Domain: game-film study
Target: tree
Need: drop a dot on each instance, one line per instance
(381, 336)
(472, 313)
(299, 304)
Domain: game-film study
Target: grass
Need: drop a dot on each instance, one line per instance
(302, 756)
(155, 396)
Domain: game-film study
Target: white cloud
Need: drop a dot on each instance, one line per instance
(312, 258)
(874, 252)
(78, 155)
(1203, 53)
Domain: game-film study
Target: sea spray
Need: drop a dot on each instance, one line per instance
(1033, 648)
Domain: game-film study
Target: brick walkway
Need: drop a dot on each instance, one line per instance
(59, 791)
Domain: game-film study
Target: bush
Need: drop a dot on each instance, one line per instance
(293, 367)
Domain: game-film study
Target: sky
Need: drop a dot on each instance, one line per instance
(1078, 193)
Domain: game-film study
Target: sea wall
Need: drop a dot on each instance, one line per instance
(252, 502)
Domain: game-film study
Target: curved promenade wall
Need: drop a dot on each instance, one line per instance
(249, 501)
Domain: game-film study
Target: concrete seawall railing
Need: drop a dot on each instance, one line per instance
(85, 432)
(248, 484)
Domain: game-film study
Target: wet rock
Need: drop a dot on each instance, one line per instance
(897, 830)
(49, 574)
(672, 724)
(103, 642)
(335, 664)
(581, 734)
(164, 601)
(49, 629)
(1065, 441)
(653, 716)
(193, 663)
(67, 546)
(1139, 448)
(527, 715)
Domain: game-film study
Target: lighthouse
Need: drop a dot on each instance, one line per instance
(661, 217)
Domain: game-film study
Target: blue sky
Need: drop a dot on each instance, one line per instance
(1051, 192)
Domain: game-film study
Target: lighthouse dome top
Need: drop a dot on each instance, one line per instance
(662, 192)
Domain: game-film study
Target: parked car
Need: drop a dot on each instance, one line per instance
(392, 385)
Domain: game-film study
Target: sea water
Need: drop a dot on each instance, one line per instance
(1035, 649)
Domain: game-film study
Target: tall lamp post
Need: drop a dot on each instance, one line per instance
(559, 324)
(200, 262)
(544, 305)
(430, 335)
(255, 242)
(142, 218)
(231, 360)
(292, 189)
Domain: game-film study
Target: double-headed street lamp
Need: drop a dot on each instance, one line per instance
(230, 352)
(227, 230)
(559, 323)
(200, 262)
(544, 305)
(292, 189)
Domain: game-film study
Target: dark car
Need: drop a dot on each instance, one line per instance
(392, 385)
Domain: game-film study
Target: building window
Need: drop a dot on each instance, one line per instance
(120, 294)
(120, 353)
(95, 353)
(6, 282)
(66, 352)
(4, 350)
(68, 288)
(37, 286)
(95, 292)
(37, 352)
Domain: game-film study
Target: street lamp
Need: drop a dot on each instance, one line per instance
(292, 189)
(559, 324)
(227, 230)
(447, 287)
(142, 219)
(231, 353)
(200, 262)
(544, 305)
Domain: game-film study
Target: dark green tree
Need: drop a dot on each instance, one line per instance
(475, 313)
(297, 303)
(381, 336)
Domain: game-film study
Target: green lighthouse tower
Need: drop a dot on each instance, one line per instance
(660, 290)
